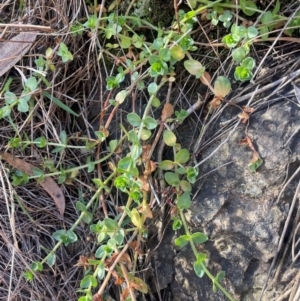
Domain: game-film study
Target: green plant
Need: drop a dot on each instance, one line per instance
(131, 171)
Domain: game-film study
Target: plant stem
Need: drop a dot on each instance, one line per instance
(206, 271)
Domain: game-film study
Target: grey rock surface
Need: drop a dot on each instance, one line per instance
(237, 209)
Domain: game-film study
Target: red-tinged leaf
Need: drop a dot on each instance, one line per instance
(48, 184)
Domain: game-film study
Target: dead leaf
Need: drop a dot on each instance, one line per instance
(167, 112)
(48, 183)
(248, 109)
(83, 262)
(145, 210)
(244, 117)
(118, 279)
(145, 184)
(125, 293)
(146, 150)
(13, 50)
(215, 103)
(247, 141)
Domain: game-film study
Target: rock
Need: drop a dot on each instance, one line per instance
(237, 209)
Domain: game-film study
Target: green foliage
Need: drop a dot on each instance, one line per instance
(128, 158)
(64, 53)
(65, 236)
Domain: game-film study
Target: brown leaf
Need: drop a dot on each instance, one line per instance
(247, 141)
(118, 279)
(244, 117)
(215, 103)
(167, 112)
(145, 210)
(13, 50)
(83, 262)
(248, 109)
(125, 293)
(145, 184)
(145, 151)
(48, 183)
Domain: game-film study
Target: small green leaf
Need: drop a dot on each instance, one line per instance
(252, 32)
(113, 145)
(152, 88)
(101, 237)
(248, 63)
(194, 67)
(88, 281)
(87, 217)
(220, 276)
(29, 276)
(100, 252)
(231, 40)
(146, 134)
(248, 7)
(155, 102)
(238, 54)
(119, 236)
(51, 258)
(124, 163)
(201, 257)
(10, 97)
(192, 174)
(166, 165)
(31, 83)
(266, 18)
(199, 238)
(134, 119)
(182, 156)
(185, 186)
(23, 105)
(177, 53)
(80, 206)
(256, 164)
(40, 142)
(222, 86)
(182, 241)
(276, 8)
(121, 96)
(150, 123)
(37, 266)
(242, 74)
(101, 270)
(177, 224)
(71, 236)
(172, 178)
(184, 201)
(169, 138)
(264, 32)
(110, 224)
(198, 269)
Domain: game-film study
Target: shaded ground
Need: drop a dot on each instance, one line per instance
(251, 218)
